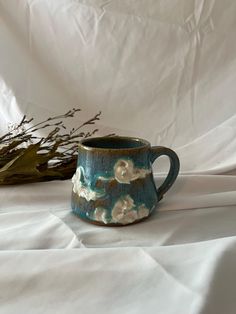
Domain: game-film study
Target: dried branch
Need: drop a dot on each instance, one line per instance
(26, 157)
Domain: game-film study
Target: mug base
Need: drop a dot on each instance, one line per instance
(102, 224)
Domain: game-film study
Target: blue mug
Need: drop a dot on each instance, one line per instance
(113, 184)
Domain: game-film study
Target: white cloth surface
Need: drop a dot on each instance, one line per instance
(180, 260)
(162, 70)
(27, 230)
(187, 279)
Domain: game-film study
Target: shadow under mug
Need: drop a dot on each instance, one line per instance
(113, 184)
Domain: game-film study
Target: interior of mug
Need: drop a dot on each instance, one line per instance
(114, 143)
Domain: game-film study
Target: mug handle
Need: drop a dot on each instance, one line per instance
(157, 151)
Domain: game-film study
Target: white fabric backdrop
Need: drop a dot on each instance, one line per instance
(162, 70)
(159, 69)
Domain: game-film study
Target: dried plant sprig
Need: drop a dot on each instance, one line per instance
(27, 157)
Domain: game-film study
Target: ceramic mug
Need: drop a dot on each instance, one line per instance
(113, 184)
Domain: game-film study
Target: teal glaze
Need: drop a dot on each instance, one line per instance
(114, 184)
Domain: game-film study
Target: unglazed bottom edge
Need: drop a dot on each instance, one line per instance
(102, 224)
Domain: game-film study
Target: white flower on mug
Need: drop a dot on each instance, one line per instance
(124, 211)
(76, 181)
(81, 189)
(100, 214)
(125, 172)
(143, 211)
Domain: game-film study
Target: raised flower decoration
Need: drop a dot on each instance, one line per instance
(143, 211)
(125, 172)
(124, 211)
(100, 214)
(81, 189)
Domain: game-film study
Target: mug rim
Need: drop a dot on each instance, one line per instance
(145, 143)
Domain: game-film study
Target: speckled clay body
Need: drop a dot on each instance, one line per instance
(113, 183)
